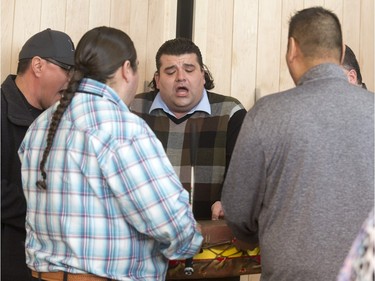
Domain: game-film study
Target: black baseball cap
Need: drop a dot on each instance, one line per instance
(49, 43)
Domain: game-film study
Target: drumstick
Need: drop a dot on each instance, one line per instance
(189, 270)
(193, 155)
(192, 187)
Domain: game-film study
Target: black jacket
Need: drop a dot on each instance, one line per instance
(15, 120)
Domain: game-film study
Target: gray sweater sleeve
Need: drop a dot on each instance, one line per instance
(244, 184)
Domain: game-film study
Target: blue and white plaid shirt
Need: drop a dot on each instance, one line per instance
(114, 206)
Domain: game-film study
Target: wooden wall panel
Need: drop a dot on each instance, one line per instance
(351, 25)
(201, 26)
(161, 27)
(100, 12)
(242, 42)
(77, 18)
(121, 12)
(366, 54)
(310, 3)
(269, 36)
(23, 26)
(217, 15)
(6, 51)
(131, 17)
(148, 22)
(288, 9)
(259, 40)
(244, 56)
(337, 6)
(51, 14)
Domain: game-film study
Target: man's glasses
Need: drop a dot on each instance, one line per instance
(65, 67)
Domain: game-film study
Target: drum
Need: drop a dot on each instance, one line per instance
(218, 257)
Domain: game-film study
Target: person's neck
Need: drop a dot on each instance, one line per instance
(179, 114)
(27, 87)
(308, 64)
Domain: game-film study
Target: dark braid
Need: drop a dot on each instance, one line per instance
(55, 121)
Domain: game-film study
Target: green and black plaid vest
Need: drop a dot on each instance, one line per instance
(199, 140)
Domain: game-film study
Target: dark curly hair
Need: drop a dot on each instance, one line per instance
(180, 46)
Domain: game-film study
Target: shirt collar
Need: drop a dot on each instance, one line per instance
(322, 71)
(203, 105)
(93, 87)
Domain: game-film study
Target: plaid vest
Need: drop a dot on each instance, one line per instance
(197, 140)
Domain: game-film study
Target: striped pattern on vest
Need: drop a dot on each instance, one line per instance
(209, 132)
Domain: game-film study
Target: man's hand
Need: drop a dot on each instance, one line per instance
(217, 211)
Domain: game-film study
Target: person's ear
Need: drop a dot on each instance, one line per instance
(294, 60)
(204, 76)
(37, 65)
(157, 79)
(127, 70)
(292, 50)
(352, 76)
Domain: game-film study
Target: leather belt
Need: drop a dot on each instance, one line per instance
(65, 276)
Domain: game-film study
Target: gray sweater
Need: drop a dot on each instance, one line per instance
(301, 179)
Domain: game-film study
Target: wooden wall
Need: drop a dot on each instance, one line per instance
(148, 22)
(243, 42)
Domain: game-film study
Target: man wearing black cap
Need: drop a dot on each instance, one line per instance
(44, 67)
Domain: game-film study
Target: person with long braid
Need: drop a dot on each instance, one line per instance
(103, 200)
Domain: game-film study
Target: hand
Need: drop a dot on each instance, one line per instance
(217, 211)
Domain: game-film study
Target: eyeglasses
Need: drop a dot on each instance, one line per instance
(64, 66)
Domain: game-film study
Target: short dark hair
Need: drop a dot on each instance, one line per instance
(318, 33)
(180, 46)
(23, 65)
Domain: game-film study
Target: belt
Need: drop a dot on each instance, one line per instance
(65, 276)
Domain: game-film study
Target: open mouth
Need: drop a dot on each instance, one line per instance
(182, 90)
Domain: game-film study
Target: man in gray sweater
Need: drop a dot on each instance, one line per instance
(301, 179)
